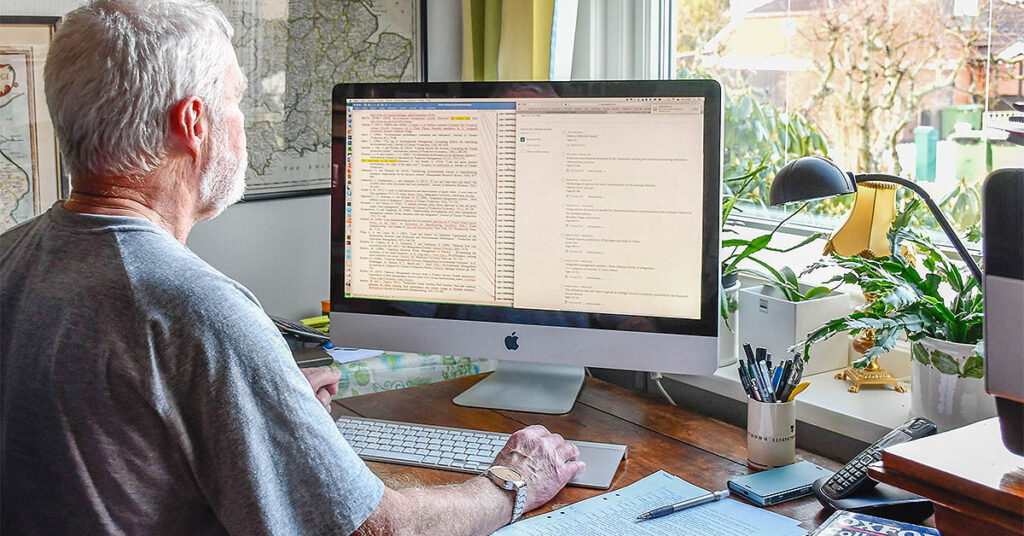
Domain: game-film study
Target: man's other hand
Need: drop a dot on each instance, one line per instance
(324, 381)
(544, 459)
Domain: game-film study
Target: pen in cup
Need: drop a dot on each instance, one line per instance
(770, 384)
(683, 505)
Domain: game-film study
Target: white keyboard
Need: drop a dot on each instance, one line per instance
(459, 449)
(455, 449)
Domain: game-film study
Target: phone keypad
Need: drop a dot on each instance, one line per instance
(854, 475)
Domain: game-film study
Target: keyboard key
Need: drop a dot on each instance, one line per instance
(415, 458)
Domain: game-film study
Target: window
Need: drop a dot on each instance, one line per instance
(906, 87)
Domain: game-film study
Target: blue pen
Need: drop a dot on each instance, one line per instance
(776, 378)
(787, 373)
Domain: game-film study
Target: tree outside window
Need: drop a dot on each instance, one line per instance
(872, 79)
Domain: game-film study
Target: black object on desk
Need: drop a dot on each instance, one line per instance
(312, 357)
(299, 331)
(852, 489)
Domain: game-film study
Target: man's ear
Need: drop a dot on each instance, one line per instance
(188, 125)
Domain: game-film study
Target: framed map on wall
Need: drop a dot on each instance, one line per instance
(30, 177)
(293, 52)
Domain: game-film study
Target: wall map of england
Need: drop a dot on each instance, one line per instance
(293, 53)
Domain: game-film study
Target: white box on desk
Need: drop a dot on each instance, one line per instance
(769, 320)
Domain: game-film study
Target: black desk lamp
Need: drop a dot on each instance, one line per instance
(813, 177)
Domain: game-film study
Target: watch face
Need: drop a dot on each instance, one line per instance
(505, 473)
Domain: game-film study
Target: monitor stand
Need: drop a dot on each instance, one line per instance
(531, 387)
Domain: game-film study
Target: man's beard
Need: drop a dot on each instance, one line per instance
(223, 181)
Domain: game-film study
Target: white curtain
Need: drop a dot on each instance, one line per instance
(623, 39)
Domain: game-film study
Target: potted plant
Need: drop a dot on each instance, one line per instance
(779, 313)
(926, 297)
(734, 252)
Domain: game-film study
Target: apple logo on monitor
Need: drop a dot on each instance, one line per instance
(512, 341)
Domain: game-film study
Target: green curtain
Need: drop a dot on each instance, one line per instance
(508, 40)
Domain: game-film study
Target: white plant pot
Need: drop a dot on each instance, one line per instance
(728, 345)
(948, 400)
(770, 321)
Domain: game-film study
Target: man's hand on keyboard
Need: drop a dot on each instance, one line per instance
(324, 382)
(544, 459)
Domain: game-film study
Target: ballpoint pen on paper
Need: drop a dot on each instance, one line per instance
(683, 505)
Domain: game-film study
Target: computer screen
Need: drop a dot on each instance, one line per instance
(570, 223)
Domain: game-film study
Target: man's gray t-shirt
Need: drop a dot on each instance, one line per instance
(146, 393)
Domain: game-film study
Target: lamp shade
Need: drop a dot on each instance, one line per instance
(866, 228)
(808, 178)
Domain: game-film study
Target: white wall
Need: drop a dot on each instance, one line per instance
(279, 248)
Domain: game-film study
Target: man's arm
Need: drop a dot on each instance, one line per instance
(478, 506)
(324, 382)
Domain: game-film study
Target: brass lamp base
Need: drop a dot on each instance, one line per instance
(870, 375)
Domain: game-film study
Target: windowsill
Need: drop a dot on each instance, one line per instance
(826, 403)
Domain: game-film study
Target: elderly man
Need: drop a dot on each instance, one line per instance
(143, 391)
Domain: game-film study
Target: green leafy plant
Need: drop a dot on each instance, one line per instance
(905, 292)
(755, 130)
(737, 250)
(962, 205)
(758, 130)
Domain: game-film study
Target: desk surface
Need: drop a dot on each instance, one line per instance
(701, 450)
(974, 481)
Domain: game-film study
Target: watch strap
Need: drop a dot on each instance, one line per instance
(517, 509)
(518, 486)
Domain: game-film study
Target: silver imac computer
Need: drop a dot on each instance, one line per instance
(548, 225)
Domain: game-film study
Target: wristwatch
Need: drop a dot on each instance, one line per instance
(510, 479)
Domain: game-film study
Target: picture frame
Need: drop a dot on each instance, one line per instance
(30, 166)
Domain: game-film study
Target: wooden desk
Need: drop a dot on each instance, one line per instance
(699, 449)
(976, 484)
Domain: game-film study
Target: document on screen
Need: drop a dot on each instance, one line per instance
(579, 204)
(612, 201)
(425, 205)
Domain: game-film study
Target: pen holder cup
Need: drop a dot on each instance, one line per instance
(771, 434)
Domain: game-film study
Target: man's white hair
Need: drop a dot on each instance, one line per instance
(115, 69)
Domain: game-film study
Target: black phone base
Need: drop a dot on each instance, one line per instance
(882, 500)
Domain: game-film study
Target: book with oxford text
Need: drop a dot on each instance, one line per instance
(843, 523)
